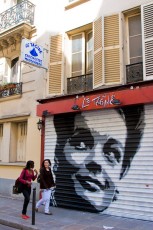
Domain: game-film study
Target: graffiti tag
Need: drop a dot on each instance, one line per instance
(101, 100)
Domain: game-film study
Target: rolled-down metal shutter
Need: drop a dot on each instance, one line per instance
(103, 160)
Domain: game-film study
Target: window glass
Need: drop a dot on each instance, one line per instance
(1, 137)
(89, 65)
(14, 69)
(82, 53)
(76, 43)
(135, 39)
(134, 25)
(77, 55)
(21, 141)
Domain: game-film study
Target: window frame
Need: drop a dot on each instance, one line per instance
(84, 61)
(74, 3)
(127, 15)
(130, 16)
(83, 56)
(8, 70)
(1, 140)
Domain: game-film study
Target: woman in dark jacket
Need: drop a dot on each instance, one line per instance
(46, 183)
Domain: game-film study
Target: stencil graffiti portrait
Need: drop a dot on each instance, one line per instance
(92, 156)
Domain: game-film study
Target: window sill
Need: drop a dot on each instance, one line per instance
(12, 164)
(75, 3)
(10, 98)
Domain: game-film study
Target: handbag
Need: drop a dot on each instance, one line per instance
(38, 179)
(18, 186)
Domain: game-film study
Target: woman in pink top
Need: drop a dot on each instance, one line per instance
(27, 176)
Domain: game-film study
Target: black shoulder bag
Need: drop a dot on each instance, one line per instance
(19, 186)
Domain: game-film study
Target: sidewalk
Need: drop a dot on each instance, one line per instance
(64, 219)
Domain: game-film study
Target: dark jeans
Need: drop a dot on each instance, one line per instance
(26, 193)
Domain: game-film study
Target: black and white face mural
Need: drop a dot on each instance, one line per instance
(92, 156)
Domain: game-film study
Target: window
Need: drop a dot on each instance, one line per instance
(15, 135)
(1, 138)
(21, 141)
(74, 3)
(81, 53)
(135, 39)
(9, 70)
(89, 53)
(14, 70)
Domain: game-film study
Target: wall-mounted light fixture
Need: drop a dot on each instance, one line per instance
(39, 124)
(116, 101)
(75, 106)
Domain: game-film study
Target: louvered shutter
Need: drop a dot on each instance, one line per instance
(147, 35)
(97, 64)
(55, 69)
(21, 142)
(112, 49)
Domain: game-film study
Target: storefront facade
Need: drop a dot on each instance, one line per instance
(101, 149)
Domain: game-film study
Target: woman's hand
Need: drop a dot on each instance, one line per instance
(28, 182)
(35, 170)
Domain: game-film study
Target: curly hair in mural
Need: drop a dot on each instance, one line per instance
(92, 155)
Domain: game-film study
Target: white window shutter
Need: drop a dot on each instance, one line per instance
(21, 141)
(55, 86)
(4, 71)
(147, 39)
(98, 55)
(112, 50)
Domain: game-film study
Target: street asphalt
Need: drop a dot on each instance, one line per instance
(64, 219)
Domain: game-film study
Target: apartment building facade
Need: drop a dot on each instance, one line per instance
(96, 121)
(93, 98)
(21, 84)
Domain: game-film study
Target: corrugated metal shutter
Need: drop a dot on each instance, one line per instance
(98, 72)
(112, 46)
(147, 28)
(55, 70)
(88, 158)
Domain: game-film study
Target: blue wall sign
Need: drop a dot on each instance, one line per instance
(32, 53)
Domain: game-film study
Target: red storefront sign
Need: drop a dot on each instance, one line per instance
(97, 100)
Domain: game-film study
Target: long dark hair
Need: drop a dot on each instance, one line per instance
(29, 164)
(42, 165)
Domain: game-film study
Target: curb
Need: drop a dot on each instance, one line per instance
(14, 224)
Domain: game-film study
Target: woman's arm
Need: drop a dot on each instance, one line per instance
(22, 177)
(43, 183)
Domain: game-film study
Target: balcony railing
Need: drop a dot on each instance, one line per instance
(22, 12)
(80, 84)
(10, 89)
(134, 72)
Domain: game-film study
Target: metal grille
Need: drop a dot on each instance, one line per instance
(6, 92)
(23, 12)
(133, 193)
(80, 84)
(134, 72)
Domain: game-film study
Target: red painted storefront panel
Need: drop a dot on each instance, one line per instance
(98, 100)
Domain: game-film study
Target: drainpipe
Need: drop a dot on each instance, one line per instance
(42, 140)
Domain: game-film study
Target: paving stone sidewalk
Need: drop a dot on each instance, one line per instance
(64, 219)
